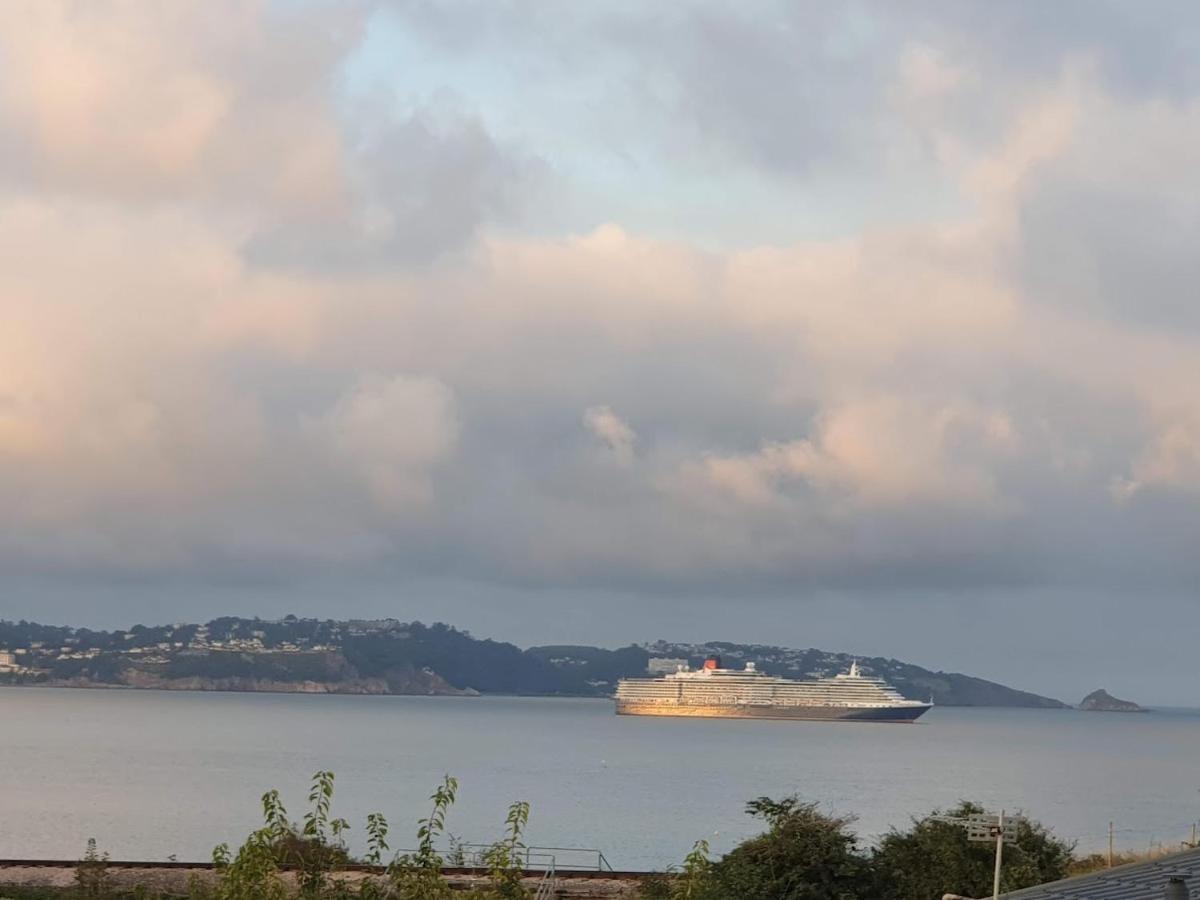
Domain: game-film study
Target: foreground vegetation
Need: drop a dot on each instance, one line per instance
(805, 854)
(309, 860)
(802, 854)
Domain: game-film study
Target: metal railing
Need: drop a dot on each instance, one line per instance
(579, 859)
(546, 886)
(532, 859)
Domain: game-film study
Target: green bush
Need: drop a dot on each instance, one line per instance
(803, 855)
(934, 857)
(317, 853)
(807, 855)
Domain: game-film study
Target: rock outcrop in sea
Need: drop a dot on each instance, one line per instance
(1103, 701)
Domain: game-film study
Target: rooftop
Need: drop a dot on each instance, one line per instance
(1135, 881)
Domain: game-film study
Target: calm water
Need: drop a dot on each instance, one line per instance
(152, 774)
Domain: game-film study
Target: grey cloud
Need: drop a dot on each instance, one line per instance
(787, 87)
(1145, 49)
(421, 185)
(1121, 251)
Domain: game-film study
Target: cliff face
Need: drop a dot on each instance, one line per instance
(139, 679)
(1103, 701)
(415, 682)
(405, 681)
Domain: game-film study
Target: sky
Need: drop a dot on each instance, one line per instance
(865, 326)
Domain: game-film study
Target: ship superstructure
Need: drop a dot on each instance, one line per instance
(747, 693)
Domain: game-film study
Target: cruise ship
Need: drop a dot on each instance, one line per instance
(749, 694)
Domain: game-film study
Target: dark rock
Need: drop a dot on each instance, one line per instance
(1103, 701)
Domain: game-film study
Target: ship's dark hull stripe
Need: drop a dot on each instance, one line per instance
(870, 714)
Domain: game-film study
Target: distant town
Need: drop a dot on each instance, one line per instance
(156, 646)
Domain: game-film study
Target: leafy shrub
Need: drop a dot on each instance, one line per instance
(807, 855)
(316, 852)
(934, 857)
(803, 855)
(91, 875)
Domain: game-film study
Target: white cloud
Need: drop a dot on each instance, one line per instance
(393, 431)
(1170, 461)
(615, 434)
(882, 451)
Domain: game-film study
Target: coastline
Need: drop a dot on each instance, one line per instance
(467, 693)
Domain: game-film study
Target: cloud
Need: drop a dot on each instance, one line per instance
(423, 184)
(713, 86)
(200, 101)
(1170, 461)
(239, 111)
(876, 452)
(252, 332)
(393, 431)
(927, 76)
(615, 434)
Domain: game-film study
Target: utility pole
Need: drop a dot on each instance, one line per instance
(985, 828)
(999, 856)
(1193, 835)
(1110, 835)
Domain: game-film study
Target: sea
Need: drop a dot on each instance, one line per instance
(168, 775)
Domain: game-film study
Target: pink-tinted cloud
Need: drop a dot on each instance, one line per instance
(241, 333)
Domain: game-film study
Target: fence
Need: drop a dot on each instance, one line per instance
(532, 859)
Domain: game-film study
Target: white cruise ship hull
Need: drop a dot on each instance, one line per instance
(744, 711)
(717, 693)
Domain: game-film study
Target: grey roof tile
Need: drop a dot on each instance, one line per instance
(1135, 881)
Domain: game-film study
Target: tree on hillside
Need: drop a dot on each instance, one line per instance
(934, 857)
